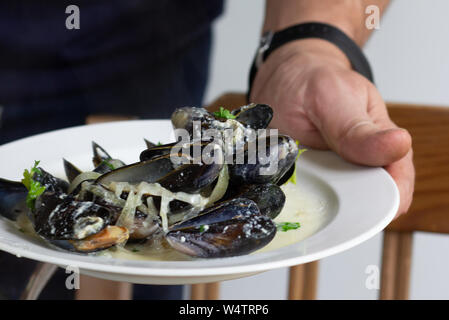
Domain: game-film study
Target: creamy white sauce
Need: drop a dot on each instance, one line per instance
(301, 206)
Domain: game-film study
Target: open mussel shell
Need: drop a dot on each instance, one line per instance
(189, 177)
(12, 199)
(278, 159)
(61, 217)
(254, 116)
(106, 238)
(50, 182)
(156, 151)
(270, 198)
(228, 229)
(71, 171)
(103, 162)
(184, 118)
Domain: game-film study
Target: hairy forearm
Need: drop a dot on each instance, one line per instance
(348, 15)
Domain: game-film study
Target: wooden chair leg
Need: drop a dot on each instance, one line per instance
(389, 265)
(198, 291)
(311, 280)
(396, 265)
(99, 289)
(213, 291)
(404, 265)
(303, 281)
(296, 283)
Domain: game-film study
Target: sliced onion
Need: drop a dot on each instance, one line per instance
(220, 187)
(88, 175)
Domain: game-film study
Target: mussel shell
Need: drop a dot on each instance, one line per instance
(282, 156)
(231, 228)
(100, 154)
(50, 182)
(270, 198)
(106, 238)
(12, 199)
(189, 177)
(103, 162)
(149, 171)
(71, 171)
(60, 216)
(255, 116)
(156, 151)
(183, 118)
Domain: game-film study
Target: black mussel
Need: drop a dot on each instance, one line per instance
(189, 177)
(61, 217)
(106, 238)
(156, 151)
(184, 118)
(149, 144)
(270, 198)
(50, 182)
(286, 175)
(227, 229)
(71, 171)
(103, 162)
(254, 116)
(254, 167)
(149, 171)
(12, 199)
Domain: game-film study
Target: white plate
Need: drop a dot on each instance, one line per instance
(361, 200)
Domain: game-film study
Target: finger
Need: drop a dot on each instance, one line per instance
(338, 106)
(403, 173)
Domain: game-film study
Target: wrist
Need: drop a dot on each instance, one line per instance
(311, 50)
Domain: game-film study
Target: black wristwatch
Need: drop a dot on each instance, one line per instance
(270, 41)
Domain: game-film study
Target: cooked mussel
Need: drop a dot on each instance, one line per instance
(231, 228)
(71, 171)
(61, 217)
(266, 168)
(12, 199)
(270, 198)
(254, 116)
(106, 238)
(103, 162)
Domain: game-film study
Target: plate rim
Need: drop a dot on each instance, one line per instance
(196, 271)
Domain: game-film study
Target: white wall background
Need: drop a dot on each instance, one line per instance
(410, 59)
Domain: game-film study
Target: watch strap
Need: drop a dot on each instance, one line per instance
(272, 41)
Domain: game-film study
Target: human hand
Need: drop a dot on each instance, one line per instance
(320, 101)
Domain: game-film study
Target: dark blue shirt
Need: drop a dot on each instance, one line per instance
(40, 57)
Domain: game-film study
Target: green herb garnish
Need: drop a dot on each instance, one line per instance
(35, 189)
(204, 228)
(159, 143)
(224, 113)
(286, 226)
(292, 178)
(108, 164)
(134, 250)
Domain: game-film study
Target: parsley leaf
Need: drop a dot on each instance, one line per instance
(292, 178)
(286, 226)
(108, 164)
(224, 113)
(35, 189)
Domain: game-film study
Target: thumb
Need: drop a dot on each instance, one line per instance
(355, 123)
(367, 143)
